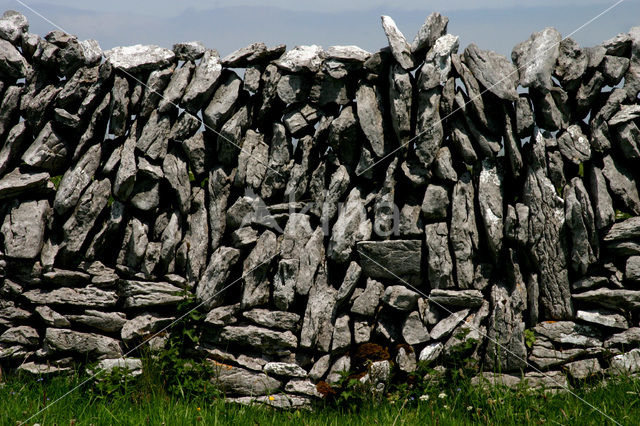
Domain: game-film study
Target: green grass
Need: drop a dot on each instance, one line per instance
(145, 402)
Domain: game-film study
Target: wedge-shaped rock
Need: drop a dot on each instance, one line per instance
(622, 184)
(391, 259)
(400, 49)
(493, 71)
(490, 197)
(13, 25)
(447, 325)
(604, 318)
(12, 63)
(142, 327)
(88, 344)
(139, 57)
(370, 110)
(258, 338)
(440, 272)
(111, 322)
(568, 333)
(461, 298)
(203, 83)
(611, 298)
(352, 226)
(222, 104)
(256, 269)
(317, 325)
(536, 58)
(433, 28)
(49, 151)
(580, 221)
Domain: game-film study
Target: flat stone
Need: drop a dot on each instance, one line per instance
(203, 82)
(87, 297)
(20, 335)
(238, 381)
(111, 322)
(279, 401)
(284, 369)
(414, 332)
(145, 294)
(583, 369)
(370, 111)
(76, 179)
(588, 282)
(258, 338)
(48, 151)
(548, 380)
(391, 259)
(627, 338)
(303, 387)
(273, 319)
(461, 298)
(625, 230)
(13, 25)
(607, 319)
(568, 333)
(302, 58)
(139, 57)
(92, 345)
(51, 317)
(42, 369)
(612, 299)
(627, 363)
(189, 51)
(132, 367)
(142, 327)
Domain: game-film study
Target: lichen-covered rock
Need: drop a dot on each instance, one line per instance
(139, 57)
(238, 381)
(215, 276)
(90, 344)
(493, 71)
(23, 228)
(463, 232)
(400, 49)
(536, 58)
(395, 259)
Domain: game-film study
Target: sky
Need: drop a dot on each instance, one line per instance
(227, 25)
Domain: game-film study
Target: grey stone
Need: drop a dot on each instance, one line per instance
(20, 335)
(463, 232)
(341, 339)
(446, 325)
(90, 344)
(111, 322)
(258, 338)
(252, 161)
(203, 82)
(349, 283)
(490, 196)
(536, 57)
(626, 114)
(395, 259)
(88, 297)
(223, 315)
(401, 96)
(429, 126)
(627, 363)
(506, 348)
(317, 325)
(142, 327)
(278, 401)
(568, 333)
(524, 117)
(622, 184)
(414, 331)
(443, 165)
(189, 51)
(583, 369)
(238, 381)
(76, 179)
(434, 27)
(604, 318)
(627, 338)
(440, 272)
(367, 302)
(493, 71)
(462, 298)
(604, 215)
(303, 387)
(218, 190)
(496, 379)
(400, 297)
(550, 380)
(588, 282)
(400, 49)
(611, 298)
(49, 151)
(625, 230)
(581, 224)
(437, 66)
(215, 276)
(23, 228)
(320, 367)
(153, 140)
(435, 202)
(176, 173)
(13, 145)
(551, 108)
(302, 58)
(549, 251)
(410, 221)
(627, 135)
(572, 64)
(131, 366)
(351, 226)
(370, 110)
(12, 63)
(613, 69)
(574, 145)
(430, 353)
(273, 319)
(284, 369)
(51, 317)
(255, 270)
(221, 106)
(13, 25)
(176, 88)
(42, 369)
(341, 365)
(126, 174)
(139, 57)
(141, 294)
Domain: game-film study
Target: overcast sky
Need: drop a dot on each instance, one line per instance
(231, 24)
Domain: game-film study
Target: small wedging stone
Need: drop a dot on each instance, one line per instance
(430, 352)
(400, 297)
(550, 380)
(284, 369)
(273, 319)
(302, 58)
(446, 325)
(139, 57)
(365, 304)
(189, 51)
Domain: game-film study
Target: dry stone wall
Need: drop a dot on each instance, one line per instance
(428, 201)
